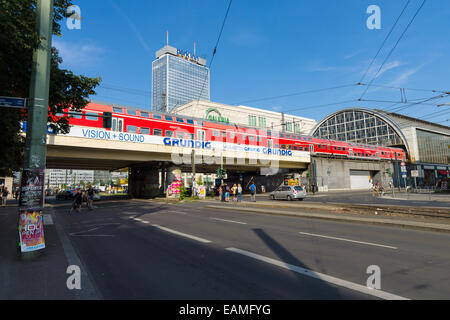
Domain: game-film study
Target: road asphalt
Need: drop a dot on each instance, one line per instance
(139, 249)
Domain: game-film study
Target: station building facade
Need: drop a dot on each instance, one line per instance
(427, 144)
(246, 116)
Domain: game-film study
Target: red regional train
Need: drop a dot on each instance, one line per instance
(182, 127)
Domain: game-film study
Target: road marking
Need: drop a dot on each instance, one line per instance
(309, 273)
(182, 234)
(177, 212)
(348, 240)
(48, 219)
(228, 221)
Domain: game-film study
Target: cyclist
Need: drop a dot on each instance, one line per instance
(78, 200)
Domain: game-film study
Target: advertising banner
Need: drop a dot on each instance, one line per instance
(31, 229)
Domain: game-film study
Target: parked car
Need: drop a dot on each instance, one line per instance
(288, 193)
(65, 194)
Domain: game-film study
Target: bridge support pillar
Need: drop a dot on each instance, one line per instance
(143, 182)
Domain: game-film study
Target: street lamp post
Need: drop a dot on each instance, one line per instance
(31, 202)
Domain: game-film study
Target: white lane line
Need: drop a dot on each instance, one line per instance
(309, 273)
(145, 222)
(348, 240)
(182, 234)
(228, 221)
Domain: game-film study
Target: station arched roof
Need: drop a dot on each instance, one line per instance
(361, 125)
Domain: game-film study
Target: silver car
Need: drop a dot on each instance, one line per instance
(288, 193)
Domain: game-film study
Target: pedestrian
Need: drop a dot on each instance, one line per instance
(253, 192)
(220, 192)
(4, 196)
(239, 193)
(227, 193)
(78, 200)
(234, 193)
(263, 189)
(90, 197)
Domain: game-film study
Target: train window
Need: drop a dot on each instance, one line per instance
(216, 133)
(251, 138)
(180, 120)
(168, 118)
(75, 115)
(199, 123)
(288, 136)
(269, 133)
(258, 138)
(232, 135)
(91, 116)
(180, 135)
(295, 148)
(132, 112)
(277, 145)
(157, 116)
(343, 148)
(145, 130)
(244, 137)
(117, 110)
(145, 114)
(224, 134)
(190, 121)
(310, 139)
(339, 148)
(169, 133)
(132, 129)
(281, 135)
(157, 132)
(191, 136)
(283, 146)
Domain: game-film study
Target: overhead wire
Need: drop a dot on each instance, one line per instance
(394, 47)
(384, 41)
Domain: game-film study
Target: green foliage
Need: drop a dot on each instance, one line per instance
(18, 39)
(199, 181)
(183, 193)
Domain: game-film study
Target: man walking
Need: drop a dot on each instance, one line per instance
(4, 196)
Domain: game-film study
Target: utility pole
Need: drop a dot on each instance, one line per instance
(31, 201)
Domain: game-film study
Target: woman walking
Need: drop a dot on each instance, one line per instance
(234, 193)
(239, 193)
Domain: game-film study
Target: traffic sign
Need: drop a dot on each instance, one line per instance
(403, 169)
(414, 173)
(403, 174)
(13, 102)
(403, 164)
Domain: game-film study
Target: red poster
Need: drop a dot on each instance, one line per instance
(31, 229)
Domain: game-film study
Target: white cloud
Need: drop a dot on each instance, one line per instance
(76, 54)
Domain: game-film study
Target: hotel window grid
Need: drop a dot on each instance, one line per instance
(180, 80)
(252, 121)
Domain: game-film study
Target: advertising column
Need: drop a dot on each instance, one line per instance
(31, 205)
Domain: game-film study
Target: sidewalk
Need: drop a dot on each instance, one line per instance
(43, 278)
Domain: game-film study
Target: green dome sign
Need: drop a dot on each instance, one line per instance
(214, 115)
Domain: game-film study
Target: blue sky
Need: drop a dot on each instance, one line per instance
(267, 49)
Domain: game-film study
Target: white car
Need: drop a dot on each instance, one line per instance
(288, 193)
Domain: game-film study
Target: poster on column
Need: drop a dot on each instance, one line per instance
(31, 205)
(31, 229)
(32, 188)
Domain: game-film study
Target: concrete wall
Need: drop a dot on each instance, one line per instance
(335, 173)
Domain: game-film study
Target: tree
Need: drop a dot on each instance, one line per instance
(18, 39)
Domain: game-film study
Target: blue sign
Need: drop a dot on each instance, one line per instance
(12, 102)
